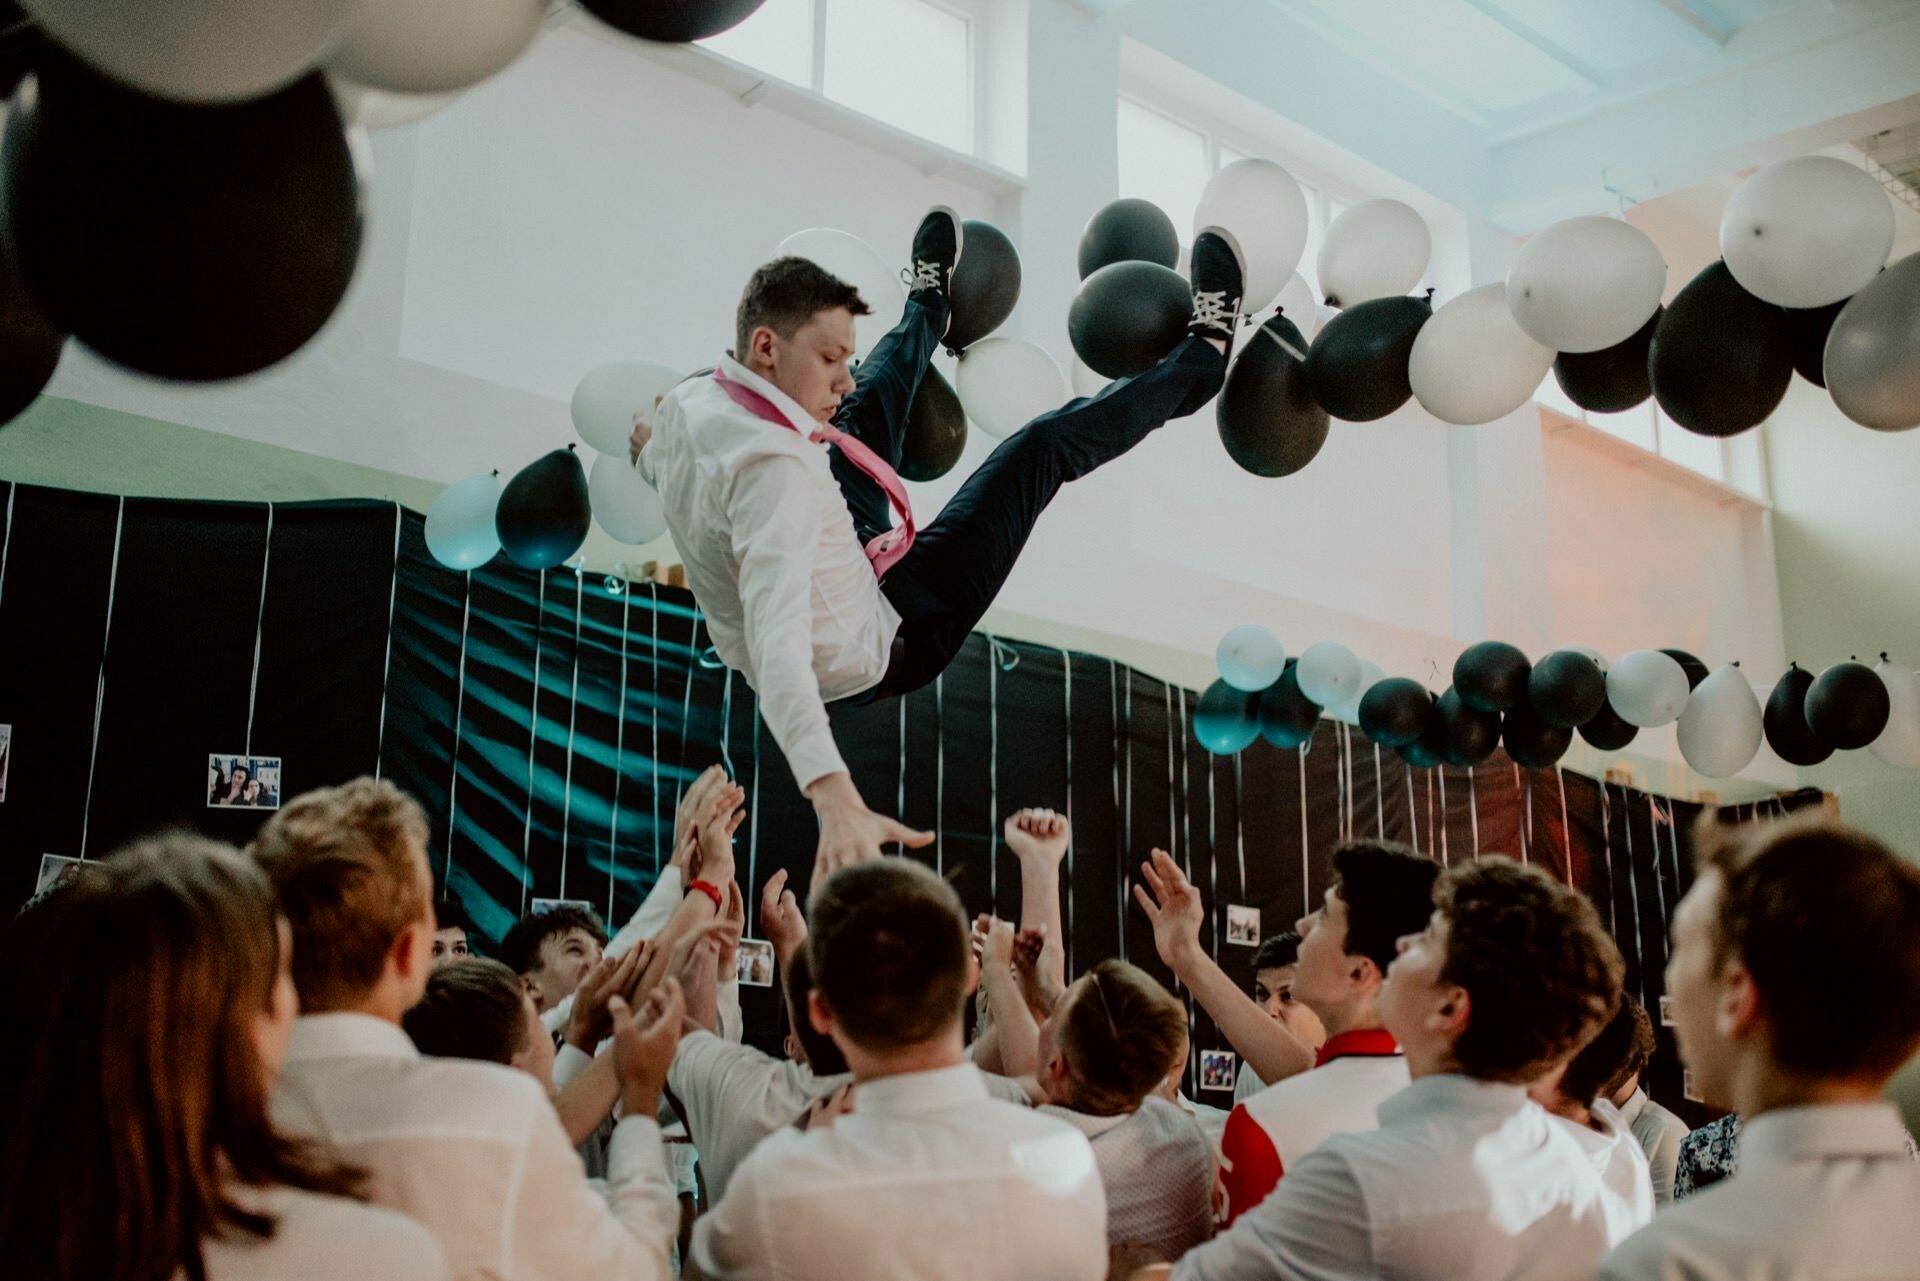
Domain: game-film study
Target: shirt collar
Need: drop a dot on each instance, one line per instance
(1450, 1093)
(1636, 1104)
(1360, 1042)
(915, 1092)
(345, 1035)
(1819, 1131)
(802, 421)
(1088, 1124)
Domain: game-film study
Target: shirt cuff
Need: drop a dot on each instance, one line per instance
(634, 1150)
(570, 1062)
(814, 758)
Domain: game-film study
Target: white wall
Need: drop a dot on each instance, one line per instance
(590, 203)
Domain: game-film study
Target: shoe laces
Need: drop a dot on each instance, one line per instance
(924, 275)
(1212, 310)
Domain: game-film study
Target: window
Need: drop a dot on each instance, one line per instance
(909, 63)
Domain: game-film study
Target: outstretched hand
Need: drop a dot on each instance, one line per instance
(850, 832)
(1174, 907)
(590, 1023)
(780, 918)
(644, 1043)
(720, 818)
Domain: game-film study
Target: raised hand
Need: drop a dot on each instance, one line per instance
(643, 1045)
(714, 826)
(850, 832)
(590, 1023)
(1174, 907)
(1037, 835)
(728, 929)
(997, 948)
(1037, 986)
(780, 918)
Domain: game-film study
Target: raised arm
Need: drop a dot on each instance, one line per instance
(1174, 907)
(1039, 839)
(1018, 1034)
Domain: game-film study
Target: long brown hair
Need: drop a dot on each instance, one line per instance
(136, 1098)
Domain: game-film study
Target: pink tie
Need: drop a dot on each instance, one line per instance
(884, 551)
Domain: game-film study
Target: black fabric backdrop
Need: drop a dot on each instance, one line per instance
(548, 726)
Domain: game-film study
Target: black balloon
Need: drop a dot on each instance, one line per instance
(185, 241)
(1847, 705)
(1465, 734)
(672, 21)
(1608, 731)
(1612, 379)
(1269, 421)
(1395, 711)
(1785, 720)
(1808, 328)
(1225, 719)
(1492, 676)
(1567, 688)
(1424, 752)
(29, 344)
(986, 285)
(1721, 359)
(1128, 230)
(1695, 669)
(936, 431)
(1358, 366)
(544, 511)
(1531, 742)
(1287, 716)
(1127, 316)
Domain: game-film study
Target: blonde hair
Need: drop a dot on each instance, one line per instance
(344, 862)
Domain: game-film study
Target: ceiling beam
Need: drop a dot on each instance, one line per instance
(1696, 19)
(1743, 113)
(1525, 33)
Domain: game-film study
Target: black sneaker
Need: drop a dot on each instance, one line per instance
(1219, 274)
(936, 251)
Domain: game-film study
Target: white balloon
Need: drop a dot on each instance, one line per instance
(1264, 208)
(624, 504)
(1085, 381)
(1371, 674)
(859, 264)
(1296, 302)
(1647, 688)
(605, 402)
(1329, 674)
(377, 109)
(433, 46)
(460, 528)
(1807, 232)
(1376, 249)
(1586, 283)
(1250, 657)
(1472, 364)
(1005, 383)
(1720, 730)
(199, 50)
(1899, 743)
(1590, 652)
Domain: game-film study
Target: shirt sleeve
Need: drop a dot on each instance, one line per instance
(735, 1238)
(1315, 1225)
(775, 520)
(1663, 1162)
(1249, 1163)
(655, 911)
(732, 1021)
(568, 1063)
(561, 1230)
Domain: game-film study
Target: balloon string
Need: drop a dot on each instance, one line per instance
(533, 737)
(1306, 894)
(260, 623)
(619, 755)
(653, 797)
(1066, 663)
(573, 710)
(459, 712)
(1445, 859)
(393, 597)
(6, 540)
(100, 684)
(1173, 830)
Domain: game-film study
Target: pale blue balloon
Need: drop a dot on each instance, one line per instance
(460, 527)
(1250, 657)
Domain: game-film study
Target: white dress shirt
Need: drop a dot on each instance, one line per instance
(323, 1238)
(789, 596)
(1156, 1166)
(1822, 1193)
(1660, 1134)
(1622, 1168)
(1463, 1179)
(1247, 1083)
(475, 1152)
(927, 1178)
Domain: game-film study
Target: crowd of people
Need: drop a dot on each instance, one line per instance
(293, 1062)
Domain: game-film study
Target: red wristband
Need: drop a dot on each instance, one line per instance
(709, 889)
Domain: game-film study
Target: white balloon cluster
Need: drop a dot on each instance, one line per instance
(1251, 658)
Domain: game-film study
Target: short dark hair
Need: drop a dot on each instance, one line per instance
(472, 1009)
(796, 982)
(787, 293)
(1541, 974)
(449, 914)
(1120, 1036)
(520, 949)
(1639, 1049)
(1600, 1067)
(1808, 906)
(889, 951)
(1388, 890)
(1277, 950)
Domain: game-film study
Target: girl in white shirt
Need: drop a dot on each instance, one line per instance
(152, 1001)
